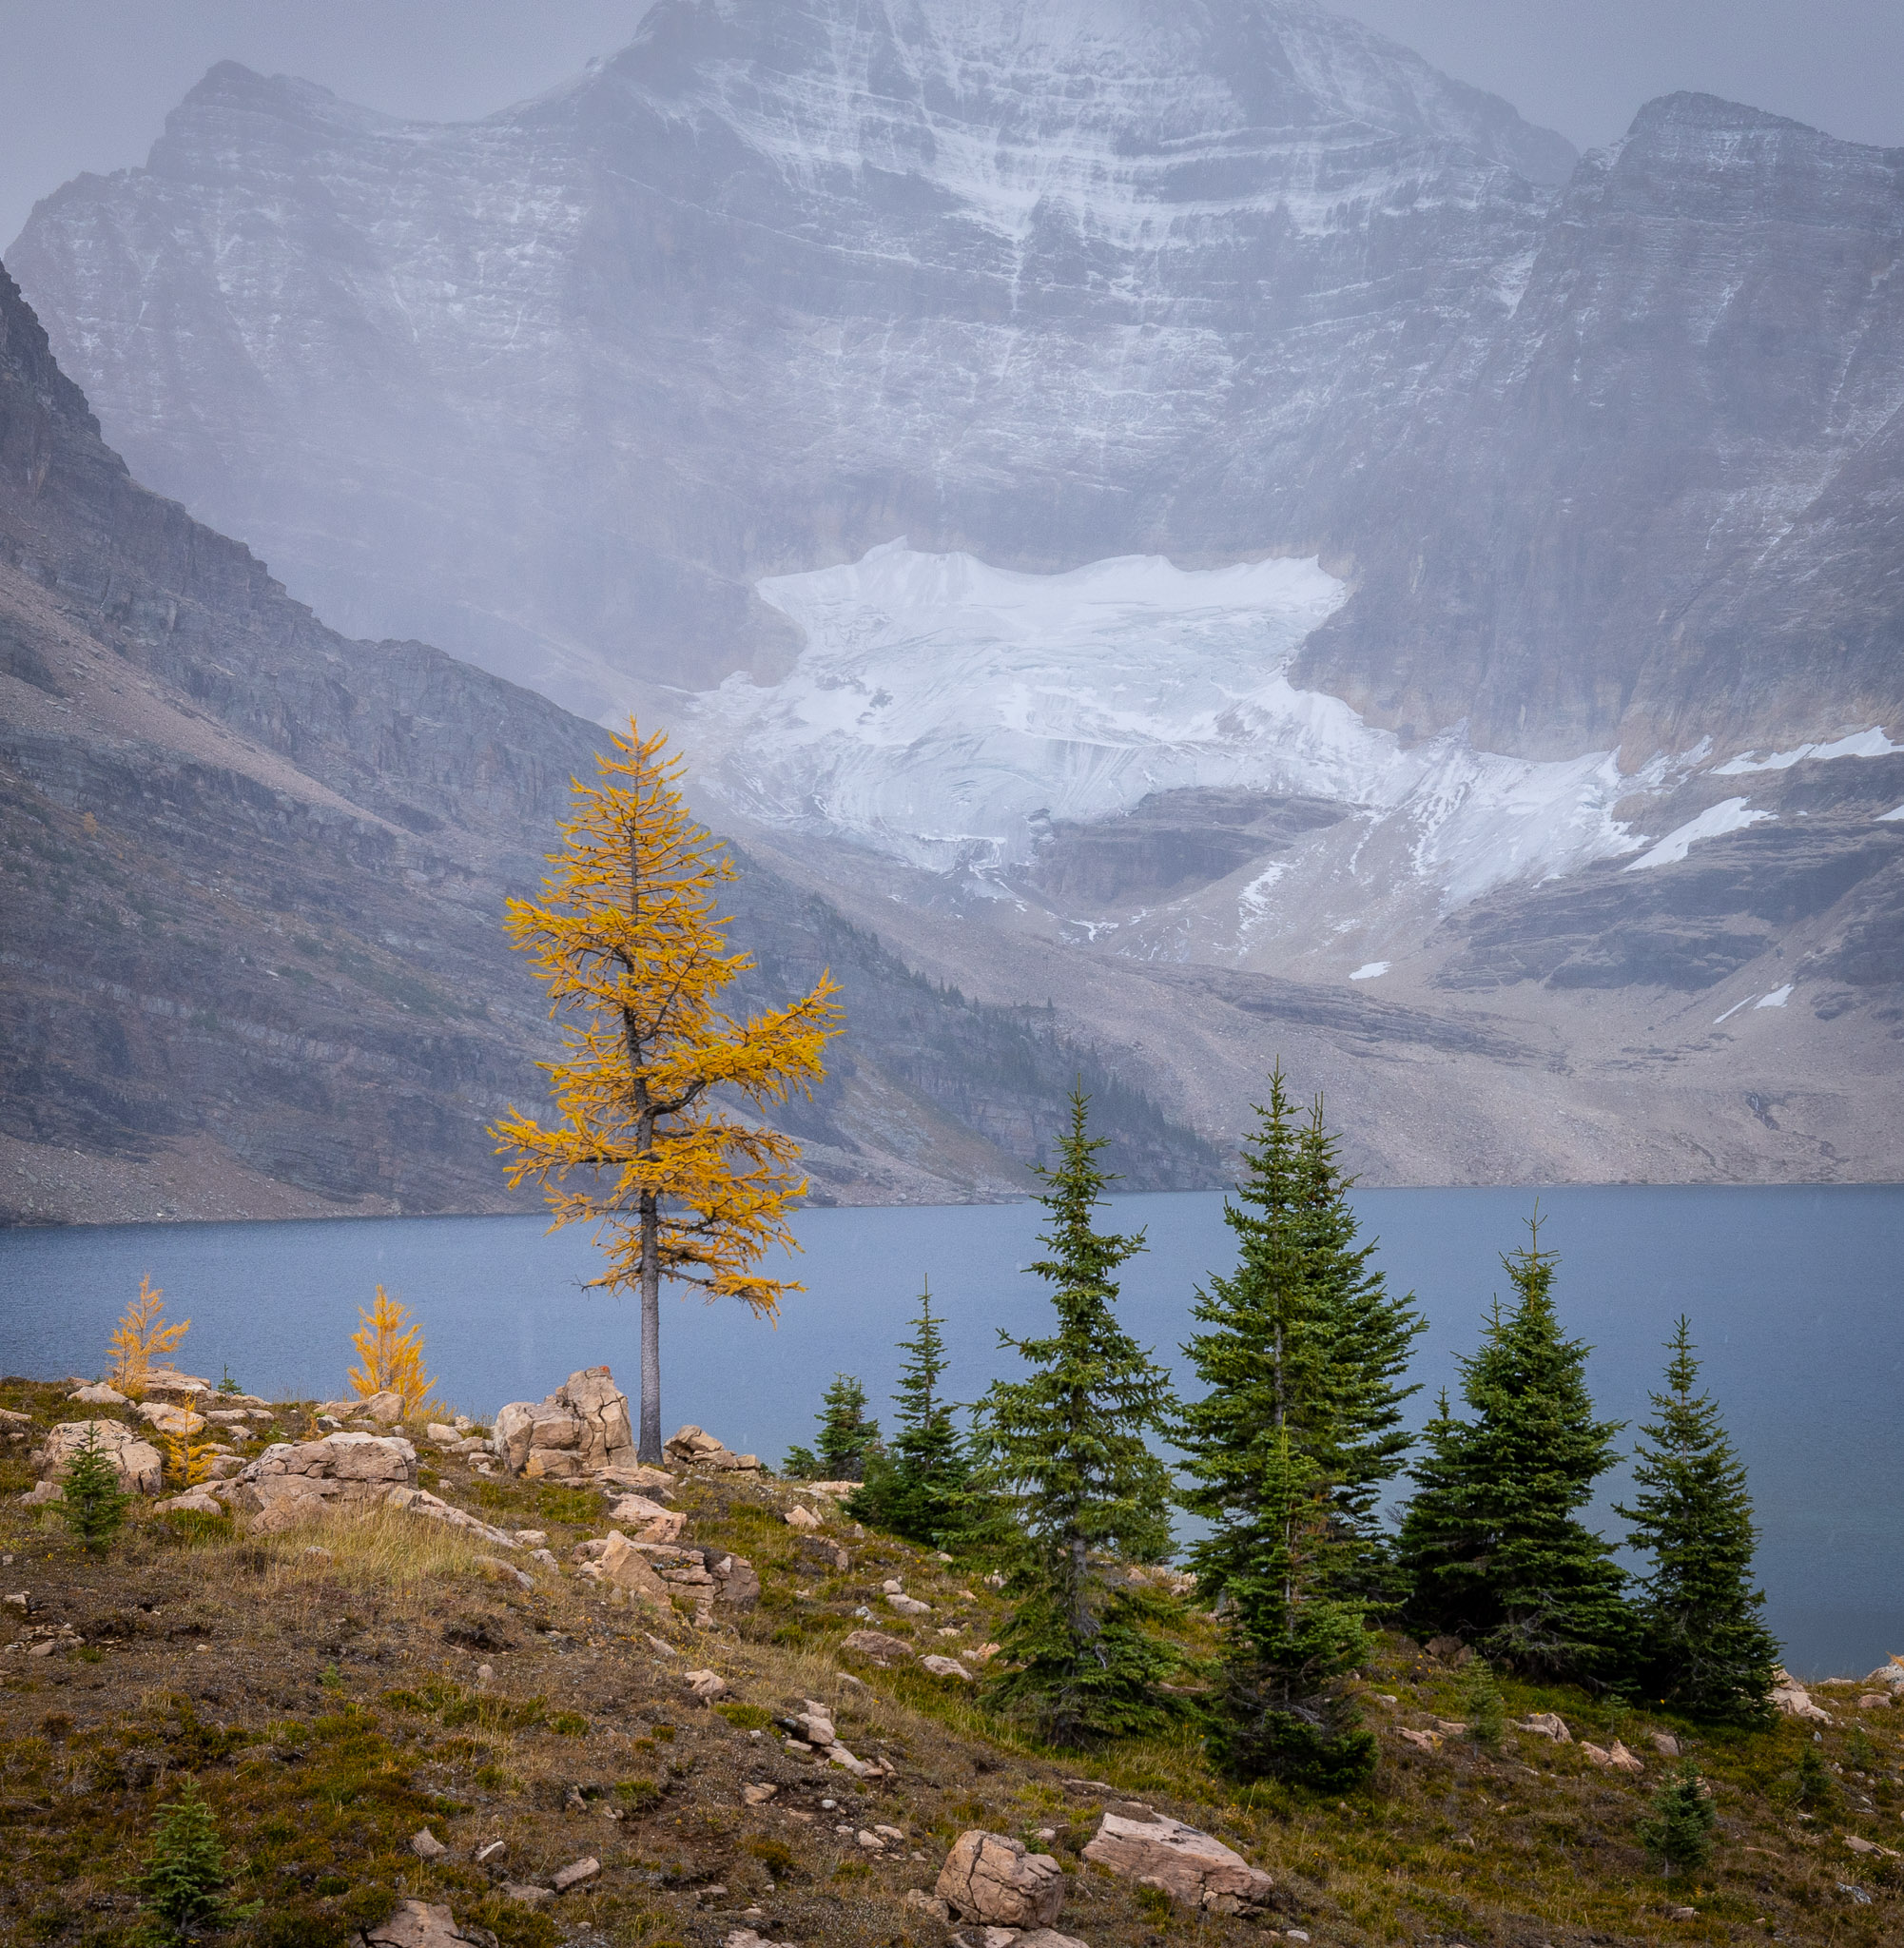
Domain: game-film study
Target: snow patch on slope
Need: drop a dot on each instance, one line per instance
(1729, 815)
(1872, 743)
(943, 708)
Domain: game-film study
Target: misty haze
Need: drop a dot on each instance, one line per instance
(1173, 545)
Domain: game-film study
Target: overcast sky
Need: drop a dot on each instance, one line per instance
(86, 84)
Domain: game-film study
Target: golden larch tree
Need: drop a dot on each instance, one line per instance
(142, 1337)
(633, 955)
(390, 1343)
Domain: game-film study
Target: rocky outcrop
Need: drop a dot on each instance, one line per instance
(296, 1482)
(579, 1429)
(693, 1446)
(138, 1463)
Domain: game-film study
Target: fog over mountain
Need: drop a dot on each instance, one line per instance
(1116, 496)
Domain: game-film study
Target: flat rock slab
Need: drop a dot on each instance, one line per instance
(1193, 1868)
(877, 1648)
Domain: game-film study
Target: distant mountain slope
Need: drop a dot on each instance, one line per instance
(782, 282)
(253, 874)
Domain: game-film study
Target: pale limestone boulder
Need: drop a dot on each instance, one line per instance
(601, 1411)
(1615, 1759)
(635, 1477)
(651, 1520)
(1790, 1696)
(945, 1667)
(140, 1466)
(624, 1567)
(508, 1434)
(794, 1518)
(1195, 1869)
(386, 1407)
(736, 1584)
(168, 1419)
(99, 1395)
(422, 1924)
(990, 1877)
(293, 1482)
(194, 1501)
(167, 1383)
(575, 1873)
(706, 1685)
(434, 1509)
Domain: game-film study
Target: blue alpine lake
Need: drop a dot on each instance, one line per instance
(1793, 1296)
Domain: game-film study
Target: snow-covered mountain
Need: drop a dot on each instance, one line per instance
(1108, 487)
(1047, 280)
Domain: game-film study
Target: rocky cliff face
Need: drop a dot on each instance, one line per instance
(253, 962)
(1661, 503)
(777, 285)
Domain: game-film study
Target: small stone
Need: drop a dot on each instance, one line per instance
(575, 1873)
(517, 1890)
(919, 1899)
(706, 1685)
(758, 1795)
(910, 1605)
(1665, 1744)
(531, 1538)
(487, 1856)
(99, 1395)
(386, 1408)
(946, 1668)
(801, 1518)
(746, 1938)
(426, 1847)
(418, 1925)
(1875, 1701)
(877, 1648)
(870, 1840)
(193, 1502)
(485, 1673)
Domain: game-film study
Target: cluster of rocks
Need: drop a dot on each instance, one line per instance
(693, 1446)
(579, 1429)
(812, 1730)
(719, 1582)
(1011, 1895)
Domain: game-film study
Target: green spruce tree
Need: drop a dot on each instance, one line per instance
(1677, 1830)
(846, 1436)
(919, 1487)
(1702, 1643)
(183, 1875)
(1490, 1544)
(1287, 1449)
(1063, 1455)
(92, 1500)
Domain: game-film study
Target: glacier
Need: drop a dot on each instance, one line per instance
(944, 712)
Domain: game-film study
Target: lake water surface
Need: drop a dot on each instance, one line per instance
(1794, 1294)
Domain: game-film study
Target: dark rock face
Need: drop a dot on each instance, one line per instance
(1661, 500)
(1169, 843)
(255, 876)
(778, 284)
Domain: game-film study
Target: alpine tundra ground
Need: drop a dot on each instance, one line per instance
(333, 1705)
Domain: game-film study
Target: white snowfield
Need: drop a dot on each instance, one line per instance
(1729, 815)
(943, 711)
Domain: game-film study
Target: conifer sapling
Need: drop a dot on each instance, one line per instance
(92, 1500)
(917, 1488)
(183, 1875)
(1677, 1831)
